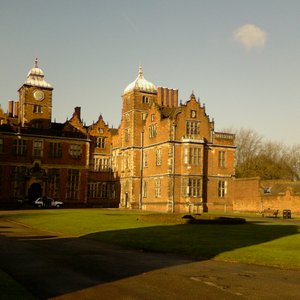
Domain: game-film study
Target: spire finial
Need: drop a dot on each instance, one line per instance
(140, 70)
(36, 63)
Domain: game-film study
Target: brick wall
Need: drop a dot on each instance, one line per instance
(249, 195)
(288, 200)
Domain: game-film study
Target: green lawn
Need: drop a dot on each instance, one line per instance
(263, 242)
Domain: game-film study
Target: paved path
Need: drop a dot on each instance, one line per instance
(61, 267)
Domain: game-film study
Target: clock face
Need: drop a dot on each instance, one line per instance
(38, 95)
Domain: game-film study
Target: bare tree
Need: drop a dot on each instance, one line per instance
(248, 143)
(294, 160)
(266, 159)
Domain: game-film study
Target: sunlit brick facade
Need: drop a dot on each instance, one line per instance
(66, 161)
(164, 156)
(167, 155)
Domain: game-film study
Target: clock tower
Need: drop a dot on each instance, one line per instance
(35, 100)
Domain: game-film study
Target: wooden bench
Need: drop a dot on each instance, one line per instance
(270, 213)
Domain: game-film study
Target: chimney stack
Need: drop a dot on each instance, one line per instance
(16, 109)
(77, 112)
(10, 108)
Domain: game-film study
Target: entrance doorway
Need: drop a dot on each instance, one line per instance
(35, 191)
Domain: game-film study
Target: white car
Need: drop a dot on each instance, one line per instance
(47, 202)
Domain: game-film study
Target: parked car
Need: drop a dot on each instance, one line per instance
(47, 202)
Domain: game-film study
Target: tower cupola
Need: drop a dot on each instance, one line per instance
(35, 100)
(140, 84)
(35, 77)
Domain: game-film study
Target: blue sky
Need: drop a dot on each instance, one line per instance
(241, 58)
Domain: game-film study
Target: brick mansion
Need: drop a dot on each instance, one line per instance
(165, 156)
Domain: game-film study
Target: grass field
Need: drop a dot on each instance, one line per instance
(259, 241)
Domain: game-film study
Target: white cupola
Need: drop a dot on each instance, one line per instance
(141, 84)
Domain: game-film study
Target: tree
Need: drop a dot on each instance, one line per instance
(265, 159)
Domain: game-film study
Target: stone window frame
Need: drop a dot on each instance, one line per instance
(37, 148)
(152, 130)
(127, 134)
(158, 157)
(192, 127)
(145, 189)
(37, 109)
(100, 163)
(101, 190)
(145, 99)
(192, 155)
(20, 147)
(192, 187)
(73, 183)
(101, 142)
(53, 186)
(222, 188)
(222, 159)
(55, 150)
(157, 187)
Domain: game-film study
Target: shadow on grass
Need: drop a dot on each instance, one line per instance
(197, 241)
(50, 267)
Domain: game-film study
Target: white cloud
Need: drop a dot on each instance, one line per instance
(250, 36)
